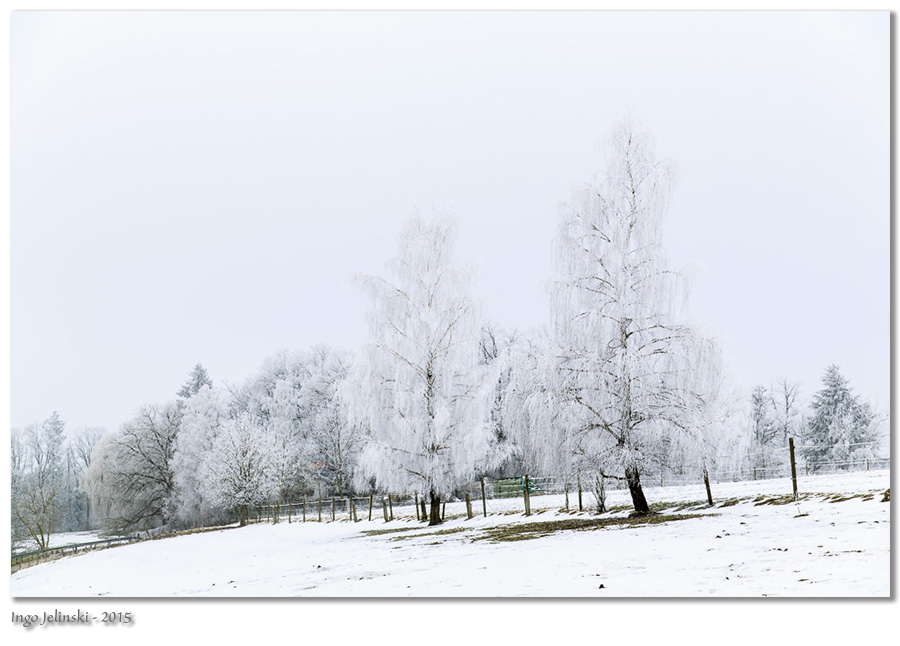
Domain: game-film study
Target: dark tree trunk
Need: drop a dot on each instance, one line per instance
(601, 495)
(435, 509)
(637, 493)
(424, 509)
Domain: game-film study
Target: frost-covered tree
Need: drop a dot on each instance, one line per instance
(332, 443)
(761, 416)
(241, 469)
(764, 429)
(273, 397)
(96, 486)
(74, 500)
(420, 388)
(842, 428)
(203, 416)
(18, 465)
(785, 400)
(497, 355)
(531, 409)
(131, 470)
(39, 480)
(271, 393)
(295, 393)
(83, 444)
(197, 379)
(635, 374)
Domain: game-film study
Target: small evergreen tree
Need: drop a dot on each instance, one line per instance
(842, 429)
(195, 381)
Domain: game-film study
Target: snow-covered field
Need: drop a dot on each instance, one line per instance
(816, 547)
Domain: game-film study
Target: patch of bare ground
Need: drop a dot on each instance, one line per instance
(528, 531)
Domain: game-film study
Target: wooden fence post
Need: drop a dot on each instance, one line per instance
(320, 507)
(391, 506)
(418, 517)
(469, 506)
(289, 513)
(708, 490)
(370, 508)
(384, 509)
(332, 509)
(580, 504)
(567, 496)
(527, 498)
(793, 466)
(443, 510)
(483, 498)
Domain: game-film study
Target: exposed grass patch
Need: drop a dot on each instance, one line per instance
(393, 530)
(777, 500)
(843, 497)
(440, 532)
(834, 497)
(688, 506)
(527, 531)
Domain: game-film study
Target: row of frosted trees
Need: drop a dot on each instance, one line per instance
(837, 431)
(46, 469)
(215, 451)
(619, 381)
(619, 384)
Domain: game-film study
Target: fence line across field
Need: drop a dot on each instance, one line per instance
(379, 506)
(501, 495)
(21, 558)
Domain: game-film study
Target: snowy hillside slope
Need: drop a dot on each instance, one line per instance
(754, 542)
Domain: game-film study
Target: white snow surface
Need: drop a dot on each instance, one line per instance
(816, 547)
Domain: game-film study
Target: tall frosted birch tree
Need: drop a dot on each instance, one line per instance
(419, 388)
(634, 376)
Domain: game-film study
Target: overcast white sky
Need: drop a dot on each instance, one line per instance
(199, 187)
